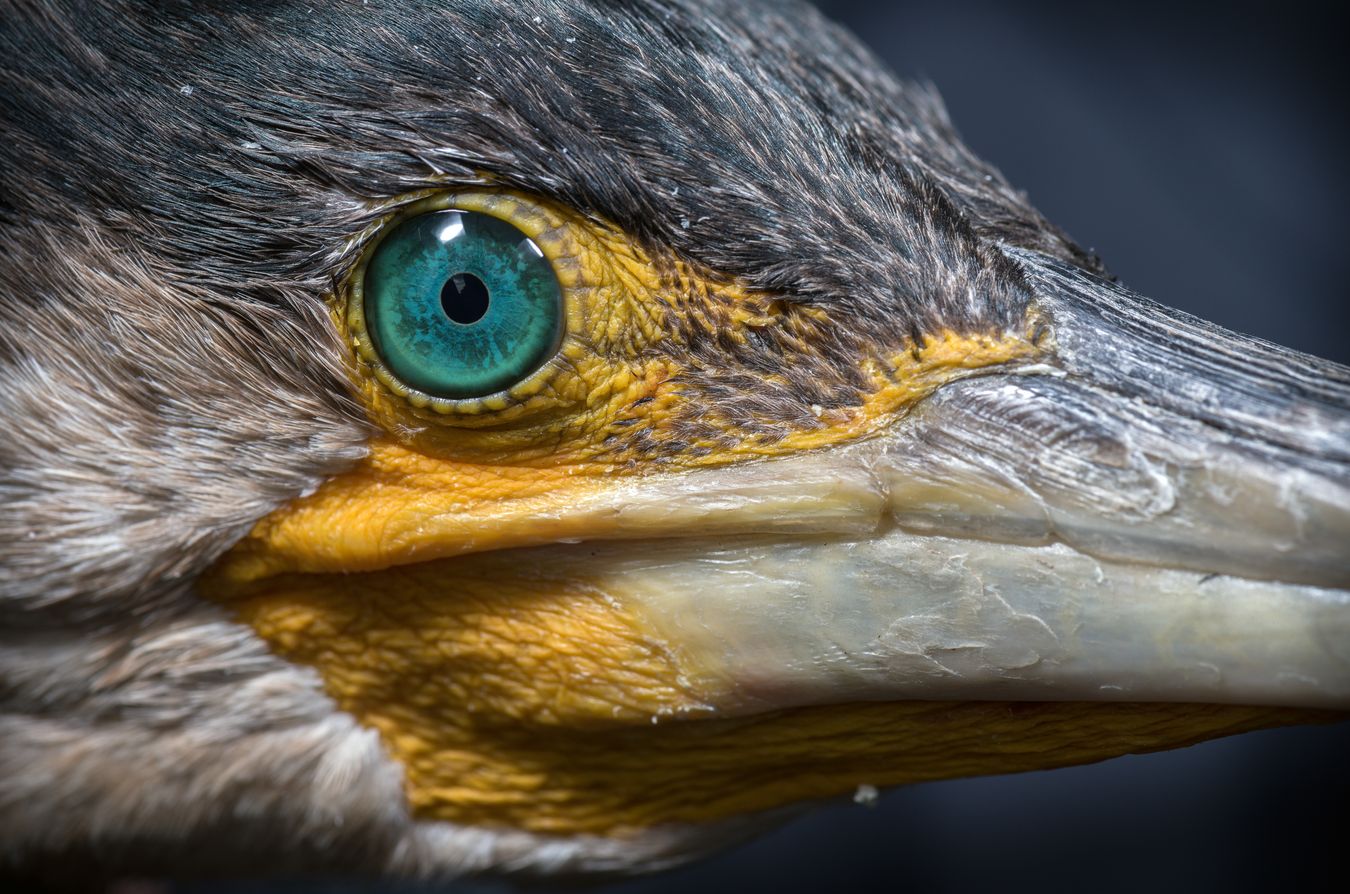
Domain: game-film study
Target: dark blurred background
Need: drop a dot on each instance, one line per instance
(1202, 152)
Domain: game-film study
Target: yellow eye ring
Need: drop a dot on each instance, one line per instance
(601, 387)
(556, 238)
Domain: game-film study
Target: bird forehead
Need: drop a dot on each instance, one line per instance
(753, 139)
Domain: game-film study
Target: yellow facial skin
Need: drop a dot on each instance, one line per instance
(593, 369)
(517, 698)
(622, 369)
(453, 477)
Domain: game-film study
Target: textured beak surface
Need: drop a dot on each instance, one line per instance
(1163, 515)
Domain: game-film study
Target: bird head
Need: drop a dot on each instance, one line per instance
(566, 436)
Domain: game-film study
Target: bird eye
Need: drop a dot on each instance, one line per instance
(460, 304)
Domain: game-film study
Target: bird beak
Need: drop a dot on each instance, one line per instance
(1150, 510)
(1160, 513)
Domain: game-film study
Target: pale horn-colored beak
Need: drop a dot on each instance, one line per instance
(1160, 513)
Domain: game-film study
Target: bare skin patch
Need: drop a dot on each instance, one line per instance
(515, 698)
(435, 493)
(665, 363)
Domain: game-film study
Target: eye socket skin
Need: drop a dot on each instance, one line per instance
(455, 359)
(644, 344)
(460, 304)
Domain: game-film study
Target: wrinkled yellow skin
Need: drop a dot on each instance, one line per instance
(475, 475)
(619, 302)
(406, 504)
(518, 698)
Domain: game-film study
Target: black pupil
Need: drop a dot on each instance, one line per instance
(464, 298)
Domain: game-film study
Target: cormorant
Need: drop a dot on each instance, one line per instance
(876, 475)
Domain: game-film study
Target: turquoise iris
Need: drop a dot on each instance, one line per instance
(461, 305)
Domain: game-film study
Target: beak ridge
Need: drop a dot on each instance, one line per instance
(1161, 512)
